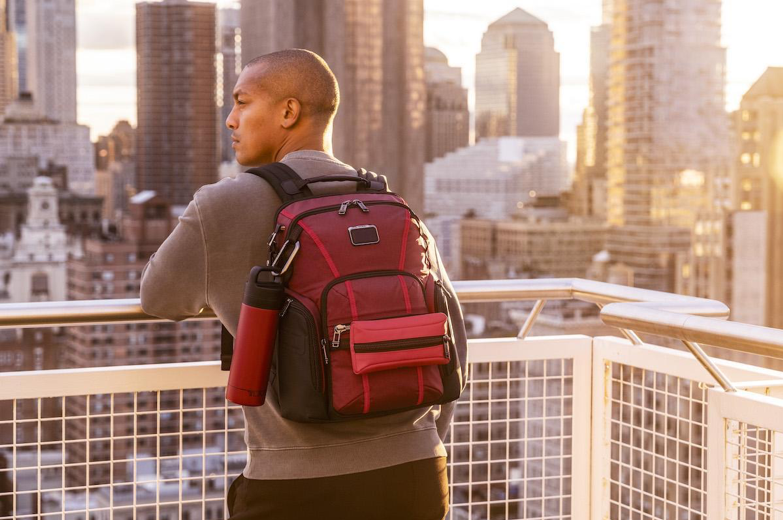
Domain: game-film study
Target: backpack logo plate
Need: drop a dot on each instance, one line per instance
(363, 235)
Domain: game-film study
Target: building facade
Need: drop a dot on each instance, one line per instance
(496, 178)
(376, 50)
(229, 67)
(517, 79)
(747, 271)
(8, 56)
(51, 57)
(448, 118)
(115, 161)
(589, 188)
(176, 141)
(529, 248)
(35, 269)
(31, 143)
(758, 183)
(32, 269)
(667, 132)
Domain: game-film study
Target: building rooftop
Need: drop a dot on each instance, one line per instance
(143, 196)
(518, 17)
(431, 54)
(770, 84)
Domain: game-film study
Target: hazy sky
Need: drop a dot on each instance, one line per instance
(106, 59)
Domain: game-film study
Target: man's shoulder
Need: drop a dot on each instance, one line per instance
(312, 163)
(234, 190)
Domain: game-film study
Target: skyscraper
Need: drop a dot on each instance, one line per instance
(229, 66)
(758, 186)
(590, 173)
(376, 50)
(517, 79)
(176, 136)
(667, 133)
(8, 67)
(51, 57)
(17, 22)
(448, 119)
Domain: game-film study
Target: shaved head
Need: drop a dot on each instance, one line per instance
(283, 101)
(299, 74)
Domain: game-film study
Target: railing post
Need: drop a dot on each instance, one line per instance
(707, 363)
(600, 434)
(531, 319)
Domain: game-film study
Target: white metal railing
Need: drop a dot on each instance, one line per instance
(547, 426)
(556, 427)
(160, 441)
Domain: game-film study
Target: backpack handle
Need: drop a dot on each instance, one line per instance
(295, 186)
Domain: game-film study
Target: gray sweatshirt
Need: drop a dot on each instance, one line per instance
(205, 262)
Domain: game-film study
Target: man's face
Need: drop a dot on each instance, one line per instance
(256, 132)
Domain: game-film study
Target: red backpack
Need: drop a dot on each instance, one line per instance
(369, 326)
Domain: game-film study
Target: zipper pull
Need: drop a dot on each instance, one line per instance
(344, 207)
(338, 330)
(361, 205)
(285, 307)
(323, 349)
(446, 347)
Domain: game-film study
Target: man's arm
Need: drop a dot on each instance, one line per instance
(458, 321)
(174, 281)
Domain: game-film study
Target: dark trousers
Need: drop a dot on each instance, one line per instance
(413, 491)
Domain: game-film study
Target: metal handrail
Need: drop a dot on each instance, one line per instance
(89, 312)
(689, 319)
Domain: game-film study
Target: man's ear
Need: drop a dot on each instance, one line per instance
(292, 111)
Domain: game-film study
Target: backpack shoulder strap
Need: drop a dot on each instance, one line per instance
(281, 177)
(226, 348)
(276, 174)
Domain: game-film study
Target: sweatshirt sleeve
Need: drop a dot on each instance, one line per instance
(174, 281)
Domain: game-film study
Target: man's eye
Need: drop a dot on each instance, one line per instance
(240, 102)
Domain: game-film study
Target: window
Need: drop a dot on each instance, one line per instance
(40, 284)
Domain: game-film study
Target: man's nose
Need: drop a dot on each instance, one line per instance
(231, 121)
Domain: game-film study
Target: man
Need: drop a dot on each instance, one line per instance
(386, 467)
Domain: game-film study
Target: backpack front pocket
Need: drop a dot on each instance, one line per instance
(410, 341)
(389, 364)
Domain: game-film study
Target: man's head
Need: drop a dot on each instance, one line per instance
(283, 101)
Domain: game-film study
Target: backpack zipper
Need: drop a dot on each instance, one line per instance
(338, 330)
(288, 203)
(347, 204)
(404, 344)
(337, 207)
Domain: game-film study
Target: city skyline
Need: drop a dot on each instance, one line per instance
(106, 58)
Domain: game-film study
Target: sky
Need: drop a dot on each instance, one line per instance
(106, 59)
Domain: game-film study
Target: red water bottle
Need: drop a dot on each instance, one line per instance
(255, 340)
